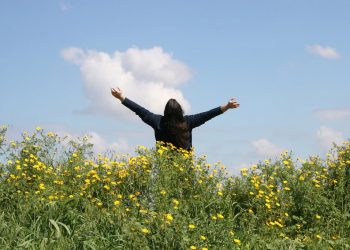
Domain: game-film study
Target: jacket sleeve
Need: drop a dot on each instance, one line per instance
(146, 116)
(200, 118)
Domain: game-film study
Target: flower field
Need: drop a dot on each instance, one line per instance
(57, 194)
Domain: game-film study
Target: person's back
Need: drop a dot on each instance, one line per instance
(173, 127)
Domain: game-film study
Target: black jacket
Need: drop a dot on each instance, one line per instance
(157, 121)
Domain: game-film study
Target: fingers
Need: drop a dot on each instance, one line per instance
(233, 103)
(232, 100)
(116, 90)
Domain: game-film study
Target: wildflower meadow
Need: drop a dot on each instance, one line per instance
(56, 193)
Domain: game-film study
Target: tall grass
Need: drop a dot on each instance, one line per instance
(57, 194)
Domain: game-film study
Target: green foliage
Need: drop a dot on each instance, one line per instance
(56, 194)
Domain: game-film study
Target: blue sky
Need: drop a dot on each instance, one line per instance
(287, 63)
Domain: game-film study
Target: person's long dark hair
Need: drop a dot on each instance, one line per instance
(175, 124)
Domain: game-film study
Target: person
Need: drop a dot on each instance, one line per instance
(173, 127)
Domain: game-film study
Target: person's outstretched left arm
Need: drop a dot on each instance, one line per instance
(146, 116)
(199, 119)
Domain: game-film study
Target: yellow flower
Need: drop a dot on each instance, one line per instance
(143, 211)
(250, 211)
(220, 216)
(99, 204)
(176, 202)
(317, 217)
(50, 134)
(278, 224)
(203, 237)
(42, 186)
(169, 217)
(38, 129)
(145, 230)
(163, 192)
(219, 193)
(204, 248)
(287, 188)
(191, 226)
(116, 202)
(193, 247)
(244, 171)
(237, 241)
(318, 236)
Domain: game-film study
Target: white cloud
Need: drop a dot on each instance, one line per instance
(148, 77)
(325, 52)
(65, 6)
(333, 114)
(265, 148)
(326, 136)
(154, 65)
(101, 145)
(73, 55)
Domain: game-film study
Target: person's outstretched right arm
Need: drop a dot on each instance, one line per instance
(199, 119)
(146, 116)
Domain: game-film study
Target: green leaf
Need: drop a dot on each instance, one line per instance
(58, 231)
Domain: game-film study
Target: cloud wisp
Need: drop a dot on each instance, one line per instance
(100, 144)
(323, 51)
(327, 136)
(65, 6)
(265, 148)
(333, 114)
(149, 76)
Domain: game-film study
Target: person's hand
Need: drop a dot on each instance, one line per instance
(232, 103)
(118, 93)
